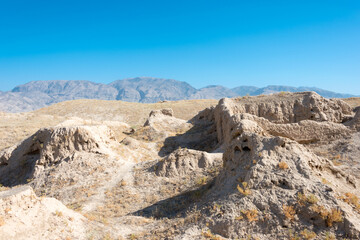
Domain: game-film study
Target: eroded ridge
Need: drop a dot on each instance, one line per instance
(251, 166)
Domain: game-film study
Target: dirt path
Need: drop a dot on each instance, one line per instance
(123, 171)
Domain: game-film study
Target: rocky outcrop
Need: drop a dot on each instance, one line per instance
(185, 161)
(233, 171)
(354, 123)
(283, 108)
(163, 121)
(50, 146)
(305, 131)
(276, 184)
(23, 215)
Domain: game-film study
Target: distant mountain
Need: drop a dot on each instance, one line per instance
(148, 90)
(273, 89)
(213, 92)
(23, 102)
(37, 94)
(244, 90)
(62, 90)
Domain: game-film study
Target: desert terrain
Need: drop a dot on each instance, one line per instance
(278, 166)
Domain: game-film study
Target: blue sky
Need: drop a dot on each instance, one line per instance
(202, 42)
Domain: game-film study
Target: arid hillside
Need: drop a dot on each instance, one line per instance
(353, 102)
(279, 166)
(16, 126)
(37, 94)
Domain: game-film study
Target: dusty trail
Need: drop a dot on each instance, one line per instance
(123, 172)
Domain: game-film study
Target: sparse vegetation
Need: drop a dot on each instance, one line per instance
(303, 199)
(58, 213)
(2, 221)
(293, 236)
(308, 235)
(351, 199)
(244, 190)
(283, 165)
(202, 181)
(133, 237)
(330, 236)
(334, 215)
(289, 212)
(324, 181)
(321, 210)
(312, 199)
(208, 235)
(251, 215)
(161, 206)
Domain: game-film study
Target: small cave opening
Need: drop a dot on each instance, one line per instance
(246, 149)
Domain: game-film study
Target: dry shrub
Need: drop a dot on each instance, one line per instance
(351, 199)
(58, 213)
(251, 215)
(2, 221)
(202, 181)
(289, 212)
(208, 235)
(90, 217)
(308, 235)
(324, 181)
(312, 199)
(245, 189)
(302, 199)
(335, 215)
(321, 210)
(283, 165)
(330, 236)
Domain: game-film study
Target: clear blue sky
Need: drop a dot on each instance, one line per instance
(202, 42)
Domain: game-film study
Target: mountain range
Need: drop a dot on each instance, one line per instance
(38, 94)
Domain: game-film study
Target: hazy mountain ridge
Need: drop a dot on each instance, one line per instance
(37, 94)
(149, 90)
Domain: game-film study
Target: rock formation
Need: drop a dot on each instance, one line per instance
(281, 108)
(183, 161)
(23, 215)
(50, 146)
(250, 166)
(354, 123)
(276, 184)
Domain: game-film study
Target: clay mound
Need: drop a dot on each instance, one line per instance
(25, 216)
(272, 184)
(305, 131)
(291, 107)
(50, 146)
(285, 109)
(164, 121)
(185, 161)
(355, 122)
